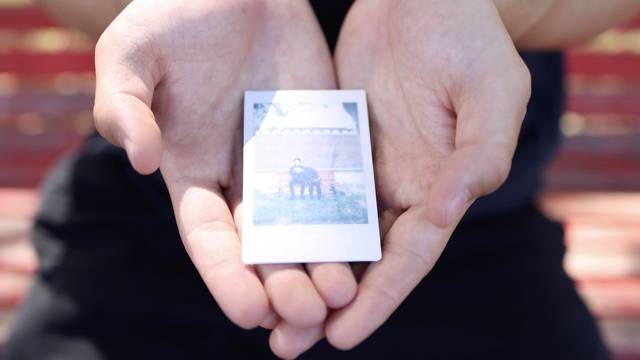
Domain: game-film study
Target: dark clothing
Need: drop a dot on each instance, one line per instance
(115, 281)
(313, 181)
(122, 287)
(509, 299)
(298, 177)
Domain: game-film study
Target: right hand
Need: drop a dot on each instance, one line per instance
(171, 77)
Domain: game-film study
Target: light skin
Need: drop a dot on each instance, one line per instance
(444, 125)
(445, 114)
(554, 24)
(153, 107)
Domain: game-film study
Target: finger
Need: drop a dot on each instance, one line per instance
(410, 250)
(488, 124)
(271, 320)
(335, 282)
(287, 341)
(292, 294)
(211, 240)
(124, 90)
(127, 122)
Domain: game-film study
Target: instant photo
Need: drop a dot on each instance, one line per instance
(309, 192)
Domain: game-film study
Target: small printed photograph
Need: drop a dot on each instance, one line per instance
(308, 165)
(308, 186)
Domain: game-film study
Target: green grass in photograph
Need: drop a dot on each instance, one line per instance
(346, 206)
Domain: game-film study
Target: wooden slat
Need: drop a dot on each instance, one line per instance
(18, 202)
(609, 104)
(49, 104)
(25, 159)
(596, 163)
(603, 238)
(612, 299)
(20, 18)
(633, 24)
(600, 124)
(46, 64)
(621, 65)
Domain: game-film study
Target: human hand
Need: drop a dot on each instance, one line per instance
(447, 93)
(170, 83)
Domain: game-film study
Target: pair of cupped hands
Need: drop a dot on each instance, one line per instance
(447, 93)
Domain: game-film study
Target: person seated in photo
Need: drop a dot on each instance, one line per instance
(297, 177)
(313, 181)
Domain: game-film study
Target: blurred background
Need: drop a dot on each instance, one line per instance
(593, 186)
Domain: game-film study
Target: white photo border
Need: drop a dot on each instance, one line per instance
(308, 243)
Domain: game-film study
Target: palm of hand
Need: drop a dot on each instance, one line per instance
(447, 93)
(191, 66)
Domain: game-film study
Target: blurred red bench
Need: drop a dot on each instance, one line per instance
(602, 119)
(46, 93)
(46, 97)
(593, 185)
(327, 180)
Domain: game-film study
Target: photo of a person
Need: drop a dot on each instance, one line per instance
(300, 145)
(308, 139)
(305, 177)
(298, 177)
(313, 181)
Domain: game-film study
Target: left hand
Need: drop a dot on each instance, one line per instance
(447, 92)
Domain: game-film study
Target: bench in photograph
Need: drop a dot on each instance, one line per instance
(327, 180)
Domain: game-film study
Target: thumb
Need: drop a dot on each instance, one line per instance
(469, 173)
(488, 125)
(124, 92)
